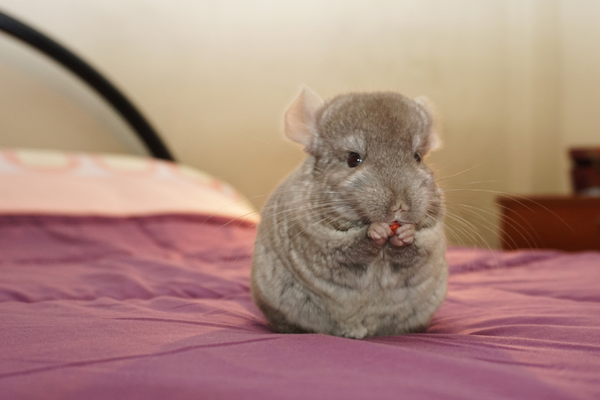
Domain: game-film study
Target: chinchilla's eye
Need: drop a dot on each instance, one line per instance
(418, 157)
(354, 160)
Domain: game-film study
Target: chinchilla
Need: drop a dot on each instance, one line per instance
(326, 259)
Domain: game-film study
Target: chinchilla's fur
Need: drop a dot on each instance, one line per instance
(325, 259)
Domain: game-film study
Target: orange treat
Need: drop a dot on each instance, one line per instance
(395, 225)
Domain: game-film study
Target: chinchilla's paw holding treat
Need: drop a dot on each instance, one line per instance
(403, 235)
(380, 232)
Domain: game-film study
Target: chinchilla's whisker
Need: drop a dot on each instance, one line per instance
(218, 211)
(238, 218)
(511, 221)
(508, 220)
(306, 228)
(304, 206)
(456, 236)
(480, 182)
(296, 217)
(520, 199)
(484, 226)
(483, 241)
(457, 217)
(283, 212)
(462, 234)
(313, 208)
(466, 229)
(437, 181)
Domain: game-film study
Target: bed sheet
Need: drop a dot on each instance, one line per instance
(155, 307)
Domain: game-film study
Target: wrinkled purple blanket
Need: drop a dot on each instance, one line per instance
(159, 308)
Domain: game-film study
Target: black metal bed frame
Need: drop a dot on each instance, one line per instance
(93, 78)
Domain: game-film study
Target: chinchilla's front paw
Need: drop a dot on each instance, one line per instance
(379, 232)
(404, 235)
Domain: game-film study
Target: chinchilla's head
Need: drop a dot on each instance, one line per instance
(366, 157)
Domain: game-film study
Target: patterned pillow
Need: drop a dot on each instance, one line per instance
(42, 181)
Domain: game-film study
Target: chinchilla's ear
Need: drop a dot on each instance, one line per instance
(432, 141)
(301, 117)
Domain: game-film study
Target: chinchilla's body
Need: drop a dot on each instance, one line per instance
(325, 258)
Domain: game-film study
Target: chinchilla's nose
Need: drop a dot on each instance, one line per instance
(399, 206)
(399, 210)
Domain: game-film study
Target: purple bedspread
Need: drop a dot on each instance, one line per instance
(159, 308)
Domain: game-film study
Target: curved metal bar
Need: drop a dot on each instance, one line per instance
(93, 78)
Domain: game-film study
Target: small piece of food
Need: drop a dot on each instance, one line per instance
(395, 225)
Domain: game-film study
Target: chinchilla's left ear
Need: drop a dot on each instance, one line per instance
(432, 140)
(301, 117)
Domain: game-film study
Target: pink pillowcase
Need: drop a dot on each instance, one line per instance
(35, 181)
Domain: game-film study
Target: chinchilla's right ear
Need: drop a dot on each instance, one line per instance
(301, 117)
(432, 140)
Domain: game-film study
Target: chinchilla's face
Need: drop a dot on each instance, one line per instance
(368, 165)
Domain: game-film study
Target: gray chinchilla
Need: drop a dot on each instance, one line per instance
(326, 259)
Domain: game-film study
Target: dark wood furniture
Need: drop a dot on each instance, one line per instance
(569, 223)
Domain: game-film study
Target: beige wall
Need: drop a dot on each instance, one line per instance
(516, 82)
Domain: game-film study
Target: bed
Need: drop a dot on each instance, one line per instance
(106, 296)
(128, 278)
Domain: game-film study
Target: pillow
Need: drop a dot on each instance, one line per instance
(42, 181)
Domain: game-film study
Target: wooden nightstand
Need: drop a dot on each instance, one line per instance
(569, 223)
